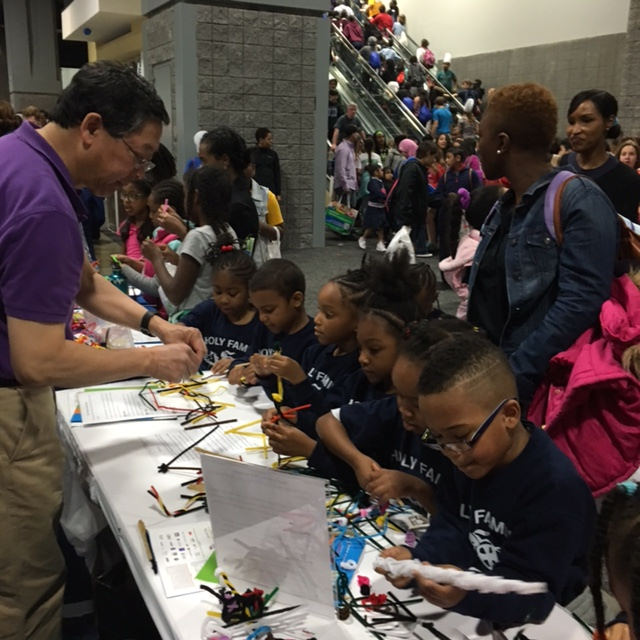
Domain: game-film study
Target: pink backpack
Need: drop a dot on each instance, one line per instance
(428, 59)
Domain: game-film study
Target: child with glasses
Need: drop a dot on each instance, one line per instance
(514, 507)
(137, 225)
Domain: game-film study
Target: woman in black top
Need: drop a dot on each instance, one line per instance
(225, 149)
(592, 119)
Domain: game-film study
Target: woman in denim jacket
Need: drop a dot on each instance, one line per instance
(532, 296)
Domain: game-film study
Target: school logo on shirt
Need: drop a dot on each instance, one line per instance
(319, 379)
(223, 348)
(415, 466)
(486, 551)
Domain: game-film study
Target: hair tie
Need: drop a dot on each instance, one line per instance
(465, 198)
(226, 247)
(629, 487)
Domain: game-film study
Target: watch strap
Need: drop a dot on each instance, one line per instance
(144, 323)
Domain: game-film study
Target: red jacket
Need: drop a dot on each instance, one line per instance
(383, 21)
(353, 31)
(588, 403)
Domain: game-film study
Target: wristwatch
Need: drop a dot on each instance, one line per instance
(144, 323)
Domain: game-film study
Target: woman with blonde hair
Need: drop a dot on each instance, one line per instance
(628, 152)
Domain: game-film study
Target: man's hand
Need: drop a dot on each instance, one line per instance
(179, 333)
(286, 368)
(444, 596)
(397, 553)
(173, 362)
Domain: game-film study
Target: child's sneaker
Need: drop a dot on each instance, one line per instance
(362, 242)
(380, 246)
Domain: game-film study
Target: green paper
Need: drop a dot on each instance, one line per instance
(208, 571)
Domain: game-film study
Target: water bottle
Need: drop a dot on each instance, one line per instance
(117, 277)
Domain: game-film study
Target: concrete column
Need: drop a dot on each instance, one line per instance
(629, 96)
(266, 65)
(32, 52)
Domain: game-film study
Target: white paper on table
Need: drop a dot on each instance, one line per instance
(181, 551)
(271, 530)
(119, 405)
(164, 446)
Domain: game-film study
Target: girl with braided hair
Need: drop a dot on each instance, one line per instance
(227, 321)
(617, 546)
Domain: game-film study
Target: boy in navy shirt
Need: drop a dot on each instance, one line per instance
(277, 293)
(515, 506)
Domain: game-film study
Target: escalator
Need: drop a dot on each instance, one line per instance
(378, 106)
(405, 50)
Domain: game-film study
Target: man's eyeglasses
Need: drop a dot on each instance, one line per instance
(141, 163)
(462, 446)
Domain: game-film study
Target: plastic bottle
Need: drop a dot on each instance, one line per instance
(117, 277)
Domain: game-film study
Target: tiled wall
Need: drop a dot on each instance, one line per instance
(256, 69)
(629, 97)
(564, 67)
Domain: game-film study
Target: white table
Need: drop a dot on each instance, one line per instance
(120, 469)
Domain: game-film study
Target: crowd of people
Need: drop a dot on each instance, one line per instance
(404, 401)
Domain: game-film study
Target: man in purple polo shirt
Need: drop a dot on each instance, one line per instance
(103, 130)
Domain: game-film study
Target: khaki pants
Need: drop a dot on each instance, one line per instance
(31, 564)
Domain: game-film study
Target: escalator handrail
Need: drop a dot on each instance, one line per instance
(401, 48)
(411, 117)
(382, 119)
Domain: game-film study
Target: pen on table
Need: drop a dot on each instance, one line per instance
(146, 543)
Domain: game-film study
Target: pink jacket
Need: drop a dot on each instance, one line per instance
(453, 269)
(588, 403)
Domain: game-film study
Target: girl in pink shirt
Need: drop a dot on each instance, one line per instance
(137, 225)
(455, 269)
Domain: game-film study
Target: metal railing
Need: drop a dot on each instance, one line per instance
(406, 52)
(373, 85)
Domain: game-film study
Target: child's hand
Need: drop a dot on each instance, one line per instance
(242, 374)
(150, 250)
(267, 417)
(260, 365)
(365, 469)
(386, 484)
(269, 414)
(287, 440)
(169, 255)
(397, 553)
(286, 368)
(442, 595)
(618, 631)
(220, 367)
(169, 220)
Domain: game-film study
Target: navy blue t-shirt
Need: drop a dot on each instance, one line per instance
(324, 386)
(531, 520)
(223, 338)
(375, 427)
(291, 345)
